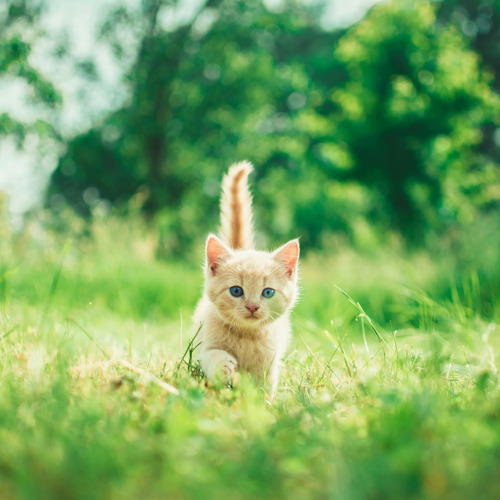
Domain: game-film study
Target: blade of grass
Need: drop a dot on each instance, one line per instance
(94, 341)
(191, 342)
(3, 285)
(328, 367)
(8, 332)
(362, 314)
(346, 359)
(53, 285)
(149, 376)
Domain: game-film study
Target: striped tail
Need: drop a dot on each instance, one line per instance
(236, 207)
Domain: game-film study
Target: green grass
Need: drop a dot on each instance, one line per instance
(412, 414)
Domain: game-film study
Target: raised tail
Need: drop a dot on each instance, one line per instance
(236, 207)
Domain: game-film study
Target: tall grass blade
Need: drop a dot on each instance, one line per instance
(8, 332)
(190, 349)
(92, 339)
(53, 285)
(362, 314)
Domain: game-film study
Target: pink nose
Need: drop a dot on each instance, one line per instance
(252, 309)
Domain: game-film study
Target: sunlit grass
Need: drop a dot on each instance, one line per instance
(386, 392)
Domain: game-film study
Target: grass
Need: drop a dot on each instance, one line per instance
(390, 389)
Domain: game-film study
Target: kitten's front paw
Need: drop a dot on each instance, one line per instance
(229, 366)
(219, 365)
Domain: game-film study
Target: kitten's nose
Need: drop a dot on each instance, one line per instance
(252, 309)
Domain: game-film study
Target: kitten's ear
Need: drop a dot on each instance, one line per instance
(288, 255)
(216, 252)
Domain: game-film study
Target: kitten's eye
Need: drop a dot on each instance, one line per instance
(267, 293)
(236, 291)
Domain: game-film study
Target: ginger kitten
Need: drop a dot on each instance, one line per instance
(244, 311)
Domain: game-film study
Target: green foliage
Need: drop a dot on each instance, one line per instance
(479, 22)
(19, 24)
(385, 125)
(14, 53)
(409, 116)
(198, 101)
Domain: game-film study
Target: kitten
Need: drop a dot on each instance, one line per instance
(244, 312)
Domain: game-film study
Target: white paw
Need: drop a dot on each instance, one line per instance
(228, 365)
(218, 365)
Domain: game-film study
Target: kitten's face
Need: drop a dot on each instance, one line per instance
(251, 288)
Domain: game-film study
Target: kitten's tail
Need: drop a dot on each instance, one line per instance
(236, 207)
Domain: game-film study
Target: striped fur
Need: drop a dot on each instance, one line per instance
(236, 207)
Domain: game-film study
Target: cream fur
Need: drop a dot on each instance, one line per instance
(250, 332)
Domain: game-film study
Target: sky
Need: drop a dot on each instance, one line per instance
(24, 174)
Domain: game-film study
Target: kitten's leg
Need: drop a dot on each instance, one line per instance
(218, 365)
(272, 379)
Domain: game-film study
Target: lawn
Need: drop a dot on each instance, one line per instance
(389, 390)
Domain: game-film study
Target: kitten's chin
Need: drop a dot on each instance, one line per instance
(254, 321)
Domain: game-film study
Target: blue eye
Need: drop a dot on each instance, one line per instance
(236, 291)
(267, 293)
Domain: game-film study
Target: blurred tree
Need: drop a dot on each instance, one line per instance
(381, 122)
(20, 28)
(408, 117)
(204, 92)
(479, 22)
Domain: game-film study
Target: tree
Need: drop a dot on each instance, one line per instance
(19, 25)
(381, 122)
(408, 117)
(203, 93)
(479, 22)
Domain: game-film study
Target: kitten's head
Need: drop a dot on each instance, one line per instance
(249, 287)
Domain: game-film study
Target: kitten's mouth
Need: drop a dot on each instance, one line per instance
(252, 317)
